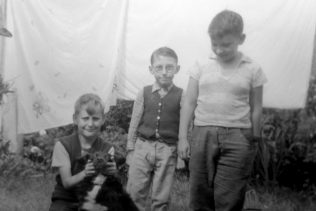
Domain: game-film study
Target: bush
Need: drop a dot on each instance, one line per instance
(287, 156)
(119, 115)
(38, 147)
(5, 88)
(12, 166)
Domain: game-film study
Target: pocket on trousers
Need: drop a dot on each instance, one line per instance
(246, 133)
(173, 150)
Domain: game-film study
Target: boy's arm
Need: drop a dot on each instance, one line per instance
(186, 113)
(138, 109)
(256, 110)
(61, 161)
(69, 180)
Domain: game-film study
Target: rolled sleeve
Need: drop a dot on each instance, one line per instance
(195, 71)
(137, 113)
(259, 78)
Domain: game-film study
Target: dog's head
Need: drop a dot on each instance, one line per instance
(99, 160)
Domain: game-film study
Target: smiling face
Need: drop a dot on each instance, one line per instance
(226, 47)
(89, 120)
(164, 68)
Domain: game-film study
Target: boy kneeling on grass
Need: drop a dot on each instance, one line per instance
(88, 117)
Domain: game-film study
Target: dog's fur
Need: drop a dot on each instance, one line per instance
(101, 189)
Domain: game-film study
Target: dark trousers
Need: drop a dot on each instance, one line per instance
(220, 165)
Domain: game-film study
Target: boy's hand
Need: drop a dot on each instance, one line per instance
(88, 169)
(111, 167)
(183, 149)
(256, 139)
(129, 157)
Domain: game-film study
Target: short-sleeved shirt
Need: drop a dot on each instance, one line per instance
(61, 157)
(224, 100)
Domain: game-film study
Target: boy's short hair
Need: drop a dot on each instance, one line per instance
(226, 22)
(93, 101)
(163, 51)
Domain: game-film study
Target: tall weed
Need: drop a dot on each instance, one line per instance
(287, 155)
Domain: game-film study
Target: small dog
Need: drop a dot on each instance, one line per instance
(101, 189)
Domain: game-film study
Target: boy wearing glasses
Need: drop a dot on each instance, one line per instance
(153, 134)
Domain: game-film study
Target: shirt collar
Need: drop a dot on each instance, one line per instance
(156, 87)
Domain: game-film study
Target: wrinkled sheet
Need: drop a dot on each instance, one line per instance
(59, 51)
(279, 36)
(62, 49)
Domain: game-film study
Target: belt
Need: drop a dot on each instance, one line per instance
(150, 139)
(154, 139)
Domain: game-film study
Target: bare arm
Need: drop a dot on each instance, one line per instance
(256, 110)
(69, 180)
(61, 161)
(186, 115)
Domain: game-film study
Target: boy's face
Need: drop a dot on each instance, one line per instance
(226, 47)
(164, 68)
(89, 121)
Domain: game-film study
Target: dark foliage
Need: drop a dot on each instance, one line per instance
(286, 155)
(119, 115)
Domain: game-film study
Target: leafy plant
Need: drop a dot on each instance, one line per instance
(286, 155)
(38, 147)
(119, 115)
(12, 165)
(5, 88)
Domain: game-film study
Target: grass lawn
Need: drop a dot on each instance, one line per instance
(33, 194)
(30, 194)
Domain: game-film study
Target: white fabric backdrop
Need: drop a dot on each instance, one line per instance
(62, 49)
(280, 36)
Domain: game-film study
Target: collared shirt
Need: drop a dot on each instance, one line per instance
(223, 99)
(138, 110)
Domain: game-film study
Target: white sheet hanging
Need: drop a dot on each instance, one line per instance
(280, 36)
(60, 50)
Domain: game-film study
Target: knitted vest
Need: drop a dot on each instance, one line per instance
(73, 147)
(161, 115)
